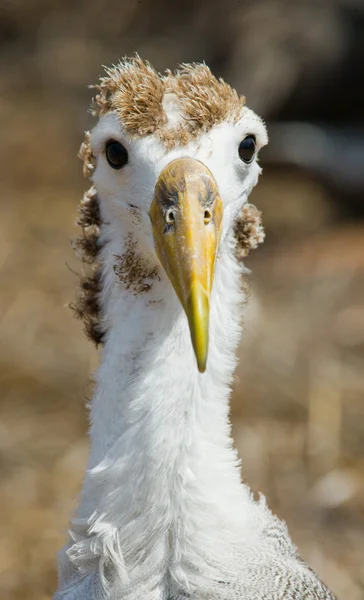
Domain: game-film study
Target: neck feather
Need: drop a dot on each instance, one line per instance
(163, 476)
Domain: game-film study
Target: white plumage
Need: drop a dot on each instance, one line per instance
(163, 513)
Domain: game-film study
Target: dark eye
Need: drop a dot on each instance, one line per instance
(116, 154)
(247, 149)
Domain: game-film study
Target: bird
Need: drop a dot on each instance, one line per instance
(163, 513)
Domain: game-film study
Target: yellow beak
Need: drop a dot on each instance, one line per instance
(186, 215)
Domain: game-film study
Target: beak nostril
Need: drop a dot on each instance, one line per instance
(207, 216)
(170, 217)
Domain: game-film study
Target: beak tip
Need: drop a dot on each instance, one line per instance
(197, 310)
(201, 365)
(201, 356)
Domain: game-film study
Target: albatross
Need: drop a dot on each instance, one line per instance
(163, 513)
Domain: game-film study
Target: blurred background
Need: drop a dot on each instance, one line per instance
(297, 408)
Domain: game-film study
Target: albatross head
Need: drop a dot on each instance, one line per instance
(175, 156)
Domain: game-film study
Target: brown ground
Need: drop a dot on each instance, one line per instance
(297, 407)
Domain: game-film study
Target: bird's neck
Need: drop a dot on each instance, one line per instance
(163, 477)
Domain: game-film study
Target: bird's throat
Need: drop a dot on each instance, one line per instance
(162, 471)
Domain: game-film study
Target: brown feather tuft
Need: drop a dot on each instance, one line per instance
(132, 270)
(205, 100)
(87, 305)
(135, 91)
(85, 154)
(249, 231)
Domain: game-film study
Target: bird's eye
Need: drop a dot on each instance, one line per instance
(116, 154)
(247, 149)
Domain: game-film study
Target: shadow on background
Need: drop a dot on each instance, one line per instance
(298, 395)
